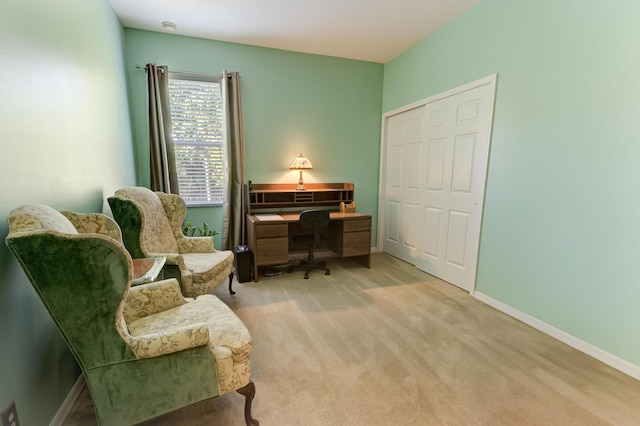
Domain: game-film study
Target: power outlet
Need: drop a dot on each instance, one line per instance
(10, 415)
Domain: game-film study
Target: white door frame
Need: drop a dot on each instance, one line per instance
(491, 79)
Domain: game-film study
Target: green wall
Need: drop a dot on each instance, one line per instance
(561, 235)
(65, 140)
(327, 108)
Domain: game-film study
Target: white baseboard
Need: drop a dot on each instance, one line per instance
(597, 353)
(68, 402)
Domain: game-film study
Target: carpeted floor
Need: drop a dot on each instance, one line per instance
(395, 346)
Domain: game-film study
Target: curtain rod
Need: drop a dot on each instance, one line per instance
(138, 66)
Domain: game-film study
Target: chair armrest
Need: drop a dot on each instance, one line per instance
(171, 259)
(148, 299)
(195, 245)
(169, 341)
(94, 223)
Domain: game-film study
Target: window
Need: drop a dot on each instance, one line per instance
(197, 121)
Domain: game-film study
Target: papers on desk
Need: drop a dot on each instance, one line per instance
(266, 217)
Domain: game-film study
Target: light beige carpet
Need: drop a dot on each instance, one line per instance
(395, 346)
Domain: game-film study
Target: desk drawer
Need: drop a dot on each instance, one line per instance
(272, 251)
(356, 225)
(356, 243)
(271, 230)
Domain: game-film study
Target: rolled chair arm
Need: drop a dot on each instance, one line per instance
(94, 223)
(195, 244)
(169, 341)
(151, 298)
(171, 259)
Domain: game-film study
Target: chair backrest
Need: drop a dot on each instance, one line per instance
(314, 220)
(81, 279)
(152, 230)
(38, 217)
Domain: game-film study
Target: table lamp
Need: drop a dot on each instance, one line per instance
(300, 163)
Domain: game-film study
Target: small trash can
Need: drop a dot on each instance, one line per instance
(243, 260)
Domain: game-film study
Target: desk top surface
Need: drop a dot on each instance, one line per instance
(294, 217)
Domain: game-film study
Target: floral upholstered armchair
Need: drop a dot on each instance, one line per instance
(144, 350)
(151, 224)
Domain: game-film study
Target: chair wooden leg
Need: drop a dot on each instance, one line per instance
(231, 283)
(248, 391)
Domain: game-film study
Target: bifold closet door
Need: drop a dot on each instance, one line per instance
(436, 163)
(403, 189)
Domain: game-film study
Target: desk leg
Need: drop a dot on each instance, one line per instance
(256, 277)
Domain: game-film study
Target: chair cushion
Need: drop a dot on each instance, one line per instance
(206, 266)
(229, 339)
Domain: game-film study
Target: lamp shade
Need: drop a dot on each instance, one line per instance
(300, 163)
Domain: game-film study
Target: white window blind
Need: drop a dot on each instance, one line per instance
(197, 121)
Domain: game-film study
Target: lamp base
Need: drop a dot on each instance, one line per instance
(300, 186)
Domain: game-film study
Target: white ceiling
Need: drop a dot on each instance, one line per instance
(369, 30)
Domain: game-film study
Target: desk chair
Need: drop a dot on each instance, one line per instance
(313, 220)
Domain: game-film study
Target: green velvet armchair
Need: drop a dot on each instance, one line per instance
(145, 350)
(151, 224)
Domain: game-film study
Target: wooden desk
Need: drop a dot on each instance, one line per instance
(348, 235)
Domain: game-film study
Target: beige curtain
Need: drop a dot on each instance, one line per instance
(233, 224)
(162, 157)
